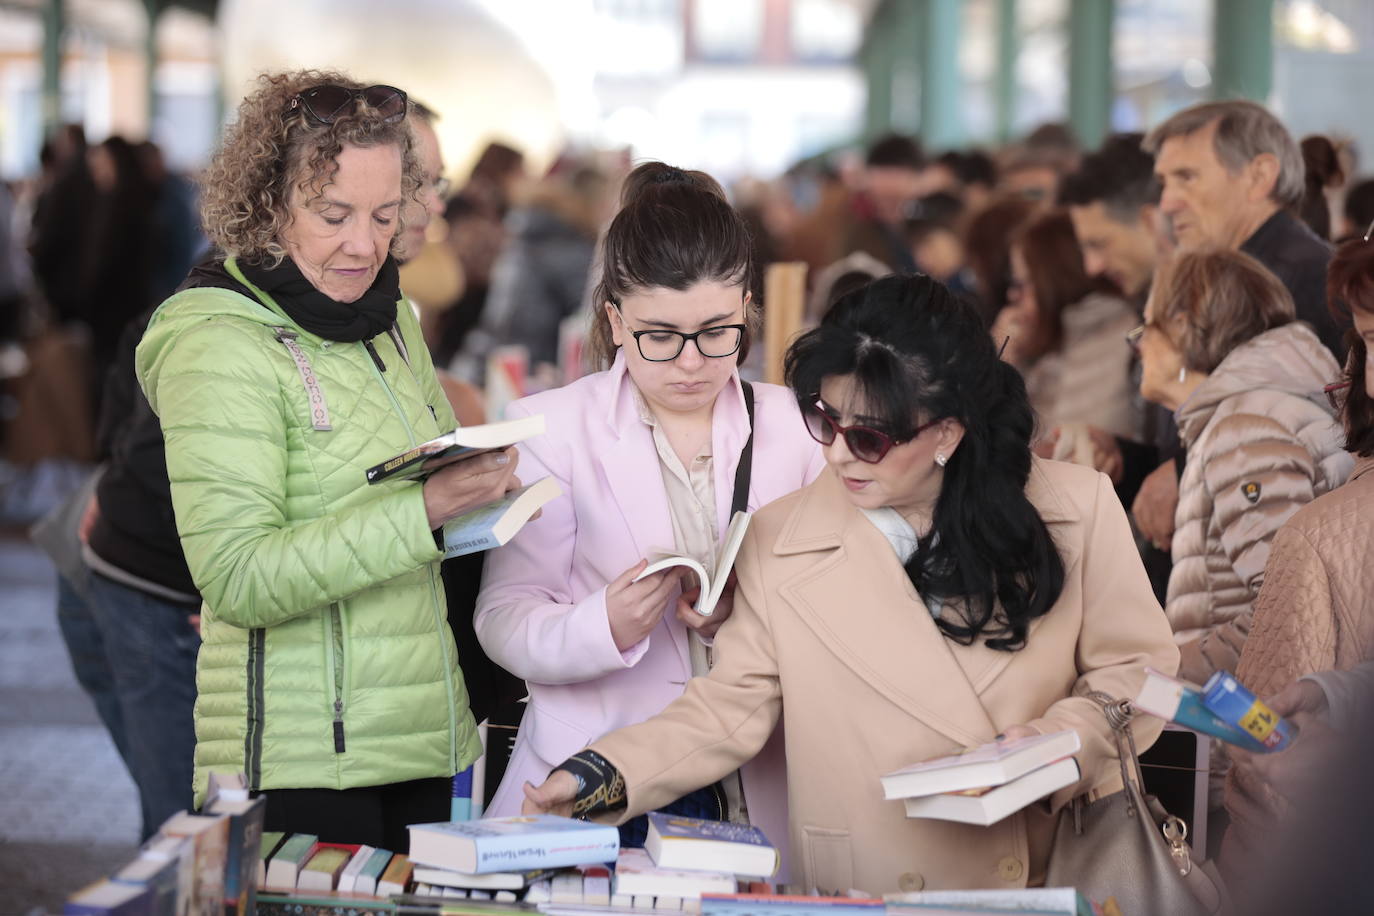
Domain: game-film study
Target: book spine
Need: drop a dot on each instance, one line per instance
(460, 807)
(1232, 702)
(1192, 713)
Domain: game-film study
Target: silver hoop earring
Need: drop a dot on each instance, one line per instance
(1182, 375)
(940, 459)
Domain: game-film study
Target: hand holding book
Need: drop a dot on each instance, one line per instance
(635, 602)
(464, 485)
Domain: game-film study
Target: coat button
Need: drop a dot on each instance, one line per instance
(1010, 869)
(910, 881)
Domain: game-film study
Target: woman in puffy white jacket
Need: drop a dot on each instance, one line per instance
(1220, 347)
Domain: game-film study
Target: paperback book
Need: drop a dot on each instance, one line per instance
(1047, 901)
(989, 805)
(720, 846)
(463, 442)
(1181, 703)
(491, 881)
(711, 587)
(991, 764)
(512, 843)
(497, 522)
(1232, 702)
(787, 905)
(245, 849)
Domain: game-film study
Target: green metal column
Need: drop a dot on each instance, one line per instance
(906, 28)
(877, 55)
(1243, 49)
(54, 23)
(1008, 48)
(1091, 82)
(942, 123)
(150, 61)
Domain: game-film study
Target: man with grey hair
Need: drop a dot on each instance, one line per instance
(1230, 174)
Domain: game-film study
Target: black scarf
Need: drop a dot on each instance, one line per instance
(347, 322)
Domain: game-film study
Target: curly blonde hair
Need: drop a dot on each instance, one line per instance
(271, 147)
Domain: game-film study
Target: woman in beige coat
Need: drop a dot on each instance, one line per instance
(935, 588)
(1220, 348)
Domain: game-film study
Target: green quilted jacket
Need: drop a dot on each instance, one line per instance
(327, 660)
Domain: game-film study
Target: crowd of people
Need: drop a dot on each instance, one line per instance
(1057, 415)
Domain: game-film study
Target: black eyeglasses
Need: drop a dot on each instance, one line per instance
(662, 346)
(326, 104)
(864, 442)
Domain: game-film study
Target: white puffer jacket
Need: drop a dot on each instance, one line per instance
(1262, 442)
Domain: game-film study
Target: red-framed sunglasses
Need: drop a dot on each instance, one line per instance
(864, 442)
(325, 104)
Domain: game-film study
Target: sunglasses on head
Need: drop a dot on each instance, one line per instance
(326, 104)
(864, 442)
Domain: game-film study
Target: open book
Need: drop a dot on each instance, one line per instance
(463, 442)
(497, 522)
(725, 559)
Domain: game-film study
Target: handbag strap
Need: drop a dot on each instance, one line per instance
(740, 503)
(1118, 714)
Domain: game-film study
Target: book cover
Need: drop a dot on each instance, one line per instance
(109, 898)
(1232, 702)
(1180, 702)
(285, 867)
(179, 854)
(788, 905)
(991, 764)
(512, 843)
(463, 442)
(692, 843)
(989, 805)
(162, 875)
(712, 584)
(245, 849)
(372, 871)
(322, 872)
(637, 873)
(497, 522)
(349, 876)
(209, 835)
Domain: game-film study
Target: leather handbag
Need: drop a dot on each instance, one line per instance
(1126, 846)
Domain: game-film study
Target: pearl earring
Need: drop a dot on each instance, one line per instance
(940, 459)
(1182, 375)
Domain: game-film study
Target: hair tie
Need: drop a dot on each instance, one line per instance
(671, 174)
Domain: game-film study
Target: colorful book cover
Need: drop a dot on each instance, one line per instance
(1232, 701)
(209, 834)
(495, 523)
(289, 859)
(512, 843)
(460, 808)
(161, 875)
(323, 903)
(1180, 702)
(372, 871)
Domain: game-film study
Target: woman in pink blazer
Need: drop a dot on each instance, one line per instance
(647, 453)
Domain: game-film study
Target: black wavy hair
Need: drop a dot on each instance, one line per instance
(917, 352)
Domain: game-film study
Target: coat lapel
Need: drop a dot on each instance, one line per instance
(889, 638)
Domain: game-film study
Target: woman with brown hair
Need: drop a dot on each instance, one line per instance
(1220, 347)
(1066, 333)
(648, 452)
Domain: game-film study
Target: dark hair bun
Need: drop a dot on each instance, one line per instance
(652, 177)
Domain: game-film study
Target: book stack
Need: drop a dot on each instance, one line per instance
(985, 784)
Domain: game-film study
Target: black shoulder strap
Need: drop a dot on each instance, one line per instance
(746, 457)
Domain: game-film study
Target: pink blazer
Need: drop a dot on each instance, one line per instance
(542, 610)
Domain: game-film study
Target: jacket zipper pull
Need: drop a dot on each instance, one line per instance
(338, 727)
(372, 351)
(433, 413)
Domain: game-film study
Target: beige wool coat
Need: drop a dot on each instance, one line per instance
(1262, 442)
(827, 624)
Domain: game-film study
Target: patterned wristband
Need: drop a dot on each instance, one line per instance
(600, 787)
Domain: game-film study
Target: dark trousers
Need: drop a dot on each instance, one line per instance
(374, 815)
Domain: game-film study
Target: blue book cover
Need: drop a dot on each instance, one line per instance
(1180, 702)
(245, 852)
(783, 905)
(1232, 701)
(460, 808)
(512, 844)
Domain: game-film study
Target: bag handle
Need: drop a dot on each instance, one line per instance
(1119, 714)
(740, 503)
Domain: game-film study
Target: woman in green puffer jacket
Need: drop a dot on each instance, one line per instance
(280, 374)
